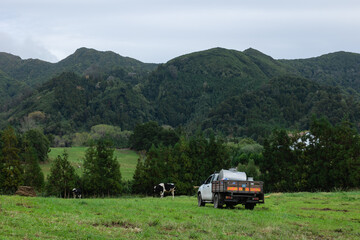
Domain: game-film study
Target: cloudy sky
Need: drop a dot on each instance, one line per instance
(159, 30)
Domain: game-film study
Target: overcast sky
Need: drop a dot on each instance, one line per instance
(159, 30)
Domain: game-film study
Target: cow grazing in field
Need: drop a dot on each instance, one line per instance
(76, 192)
(164, 187)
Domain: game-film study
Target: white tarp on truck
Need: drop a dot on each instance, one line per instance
(232, 175)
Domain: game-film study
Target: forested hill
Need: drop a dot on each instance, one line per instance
(340, 68)
(30, 71)
(235, 93)
(285, 102)
(22, 76)
(82, 61)
(70, 103)
(90, 61)
(186, 88)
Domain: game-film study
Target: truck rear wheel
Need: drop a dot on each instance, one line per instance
(230, 205)
(249, 206)
(217, 201)
(201, 203)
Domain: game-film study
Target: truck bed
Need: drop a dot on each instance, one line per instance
(237, 186)
(239, 191)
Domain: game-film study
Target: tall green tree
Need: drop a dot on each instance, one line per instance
(39, 142)
(101, 174)
(62, 177)
(277, 162)
(33, 176)
(139, 177)
(335, 155)
(10, 165)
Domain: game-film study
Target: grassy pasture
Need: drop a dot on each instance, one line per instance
(333, 215)
(126, 158)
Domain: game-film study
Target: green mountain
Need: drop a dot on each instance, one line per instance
(8, 89)
(70, 102)
(335, 69)
(31, 73)
(86, 60)
(284, 102)
(186, 88)
(234, 93)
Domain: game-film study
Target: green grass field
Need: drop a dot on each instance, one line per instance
(333, 215)
(126, 158)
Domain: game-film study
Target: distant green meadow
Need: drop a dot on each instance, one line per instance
(334, 215)
(127, 159)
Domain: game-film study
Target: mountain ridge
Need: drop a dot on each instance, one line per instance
(185, 91)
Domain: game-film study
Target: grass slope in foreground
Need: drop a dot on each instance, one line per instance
(283, 216)
(127, 159)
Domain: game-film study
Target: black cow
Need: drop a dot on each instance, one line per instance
(164, 187)
(76, 192)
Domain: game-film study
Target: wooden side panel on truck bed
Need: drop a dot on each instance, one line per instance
(237, 186)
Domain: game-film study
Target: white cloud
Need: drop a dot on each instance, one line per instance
(156, 31)
(26, 48)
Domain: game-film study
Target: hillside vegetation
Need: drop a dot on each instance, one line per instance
(234, 93)
(283, 216)
(284, 102)
(32, 73)
(340, 68)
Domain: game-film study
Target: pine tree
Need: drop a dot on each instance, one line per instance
(39, 142)
(33, 175)
(62, 177)
(11, 170)
(252, 170)
(102, 174)
(138, 178)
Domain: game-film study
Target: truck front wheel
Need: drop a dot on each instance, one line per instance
(217, 201)
(201, 203)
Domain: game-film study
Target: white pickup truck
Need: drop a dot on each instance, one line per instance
(230, 187)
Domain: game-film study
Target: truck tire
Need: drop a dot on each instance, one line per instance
(249, 206)
(230, 205)
(201, 203)
(217, 201)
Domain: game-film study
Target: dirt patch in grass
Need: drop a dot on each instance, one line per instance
(298, 224)
(121, 224)
(24, 205)
(326, 209)
(168, 228)
(154, 223)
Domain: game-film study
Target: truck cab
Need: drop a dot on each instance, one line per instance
(205, 190)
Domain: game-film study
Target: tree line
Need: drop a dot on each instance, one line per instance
(324, 158)
(20, 155)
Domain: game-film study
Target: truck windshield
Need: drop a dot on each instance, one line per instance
(208, 180)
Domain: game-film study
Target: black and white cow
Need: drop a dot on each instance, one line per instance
(76, 192)
(164, 187)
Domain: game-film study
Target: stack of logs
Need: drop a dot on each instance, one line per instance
(26, 191)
